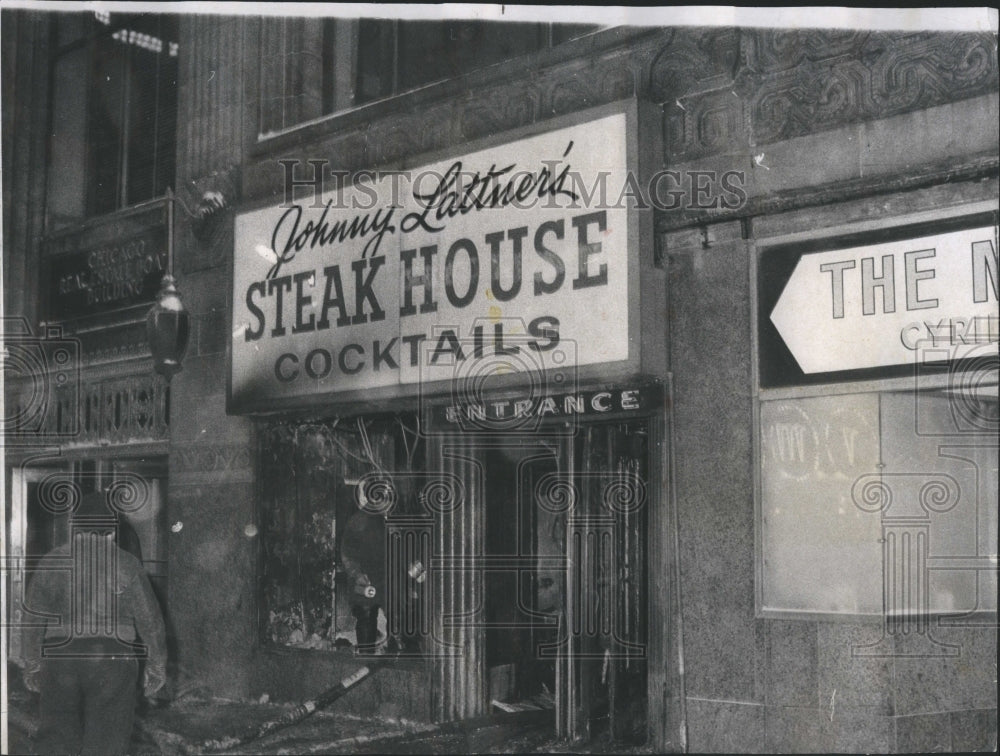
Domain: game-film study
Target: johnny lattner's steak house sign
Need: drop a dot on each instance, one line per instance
(495, 258)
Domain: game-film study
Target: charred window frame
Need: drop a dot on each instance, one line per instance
(309, 471)
(112, 135)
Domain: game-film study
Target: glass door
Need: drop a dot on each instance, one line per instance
(565, 581)
(602, 664)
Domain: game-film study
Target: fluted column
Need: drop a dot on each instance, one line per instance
(457, 584)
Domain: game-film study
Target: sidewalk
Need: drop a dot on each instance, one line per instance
(184, 726)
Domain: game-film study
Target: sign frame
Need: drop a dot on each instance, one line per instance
(642, 350)
(776, 367)
(819, 231)
(145, 220)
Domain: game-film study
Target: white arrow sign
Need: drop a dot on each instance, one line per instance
(885, 304)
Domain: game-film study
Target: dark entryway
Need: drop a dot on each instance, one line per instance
(524, 574)
(44, 497)
(565, 577)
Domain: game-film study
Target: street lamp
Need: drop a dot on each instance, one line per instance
(168, 323)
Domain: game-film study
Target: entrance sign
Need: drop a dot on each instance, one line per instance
(881, 304)
(406, 276)
(499, 413)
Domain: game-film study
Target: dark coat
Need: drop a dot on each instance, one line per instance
(114, 605)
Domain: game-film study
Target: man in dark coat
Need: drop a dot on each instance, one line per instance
(97, 616)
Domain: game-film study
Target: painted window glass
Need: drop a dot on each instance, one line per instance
(880, 503)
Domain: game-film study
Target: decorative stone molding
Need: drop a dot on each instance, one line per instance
(203, 219)
(864, 77)
(978, 168)
(693, 60)
(393, 140)
(768, 51)
(114, 344)
(120, 409)
(724, 91)
(481, 119)
(788, 83)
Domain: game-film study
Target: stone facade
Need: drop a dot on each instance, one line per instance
(829, 127)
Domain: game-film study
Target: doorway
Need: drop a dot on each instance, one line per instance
(43, 498)
(565, 577)
(523, 574)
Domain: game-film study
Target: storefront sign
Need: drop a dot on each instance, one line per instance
(112, 276)
(887, 304)
(514, 254)
(501, 413)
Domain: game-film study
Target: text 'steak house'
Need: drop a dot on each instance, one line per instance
(669, 355)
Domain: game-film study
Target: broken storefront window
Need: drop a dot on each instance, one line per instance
(310, 472)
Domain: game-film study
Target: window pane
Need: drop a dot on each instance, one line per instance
(319, 485)
(312, 530)
(393, 57)
(114, 115)
(305, 496)
(376, 45)
(424, 53)
(879, 500)
(152, 110)
(821, 550)
(106, 125)
(430, 51)
(942, 477)
(67, 146)
(340, 58)
(483, 44)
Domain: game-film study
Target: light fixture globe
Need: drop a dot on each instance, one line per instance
(168, 328)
